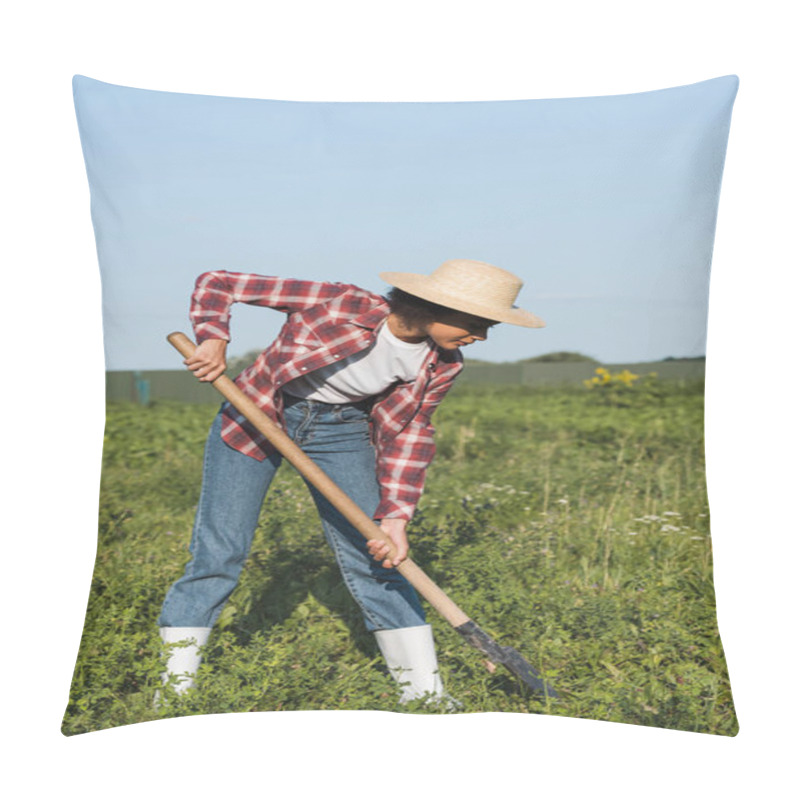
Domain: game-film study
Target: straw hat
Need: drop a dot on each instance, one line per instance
(474, 287)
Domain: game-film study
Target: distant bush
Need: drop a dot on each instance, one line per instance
(237, 363)
(563, 357)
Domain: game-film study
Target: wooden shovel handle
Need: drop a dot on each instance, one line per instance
(309, 470)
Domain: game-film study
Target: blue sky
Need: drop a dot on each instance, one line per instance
(604, 206)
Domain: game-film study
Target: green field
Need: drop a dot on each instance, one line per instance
(571, 523)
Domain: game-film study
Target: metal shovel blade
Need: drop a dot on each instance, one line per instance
(507, 656)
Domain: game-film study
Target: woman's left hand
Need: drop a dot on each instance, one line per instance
(395, 529)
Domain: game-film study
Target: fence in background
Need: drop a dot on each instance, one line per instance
(144, 386)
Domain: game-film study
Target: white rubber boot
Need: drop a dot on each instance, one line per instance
(410, 655)
(184, 654)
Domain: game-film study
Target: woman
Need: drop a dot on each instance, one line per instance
(353, 378)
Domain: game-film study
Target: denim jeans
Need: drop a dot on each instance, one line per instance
(337, 438)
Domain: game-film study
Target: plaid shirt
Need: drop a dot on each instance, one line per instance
(327, 322)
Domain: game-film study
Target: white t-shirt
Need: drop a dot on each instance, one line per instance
(364, 374)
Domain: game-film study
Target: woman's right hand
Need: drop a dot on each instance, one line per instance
(208, 360)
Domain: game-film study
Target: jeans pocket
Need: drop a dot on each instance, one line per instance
(350, 413)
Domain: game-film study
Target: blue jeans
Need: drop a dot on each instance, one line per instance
(337, 438)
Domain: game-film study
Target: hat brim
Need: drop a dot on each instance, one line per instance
(422, 286)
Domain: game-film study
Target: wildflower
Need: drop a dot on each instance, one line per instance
(626, 377)
(603, 377)
(669, 528)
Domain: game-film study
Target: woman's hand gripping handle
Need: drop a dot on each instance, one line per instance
(208, 360)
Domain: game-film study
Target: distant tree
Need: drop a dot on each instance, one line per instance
(562, 357)
(237, 363)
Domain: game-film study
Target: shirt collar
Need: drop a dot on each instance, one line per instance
(373, 317)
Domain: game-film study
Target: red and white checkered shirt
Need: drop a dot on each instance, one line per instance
(327, 322)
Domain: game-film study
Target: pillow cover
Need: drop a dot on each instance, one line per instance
(564, 515)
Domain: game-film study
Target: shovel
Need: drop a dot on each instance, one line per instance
(497, 654)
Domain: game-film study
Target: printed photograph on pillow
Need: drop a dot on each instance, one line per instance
(427, 434)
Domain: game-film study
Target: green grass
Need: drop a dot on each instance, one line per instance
(569, 523)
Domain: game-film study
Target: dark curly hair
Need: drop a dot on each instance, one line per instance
(415, 311)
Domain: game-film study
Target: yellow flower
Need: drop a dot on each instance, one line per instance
(626, 377)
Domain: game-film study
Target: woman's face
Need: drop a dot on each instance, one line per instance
(458, 329)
